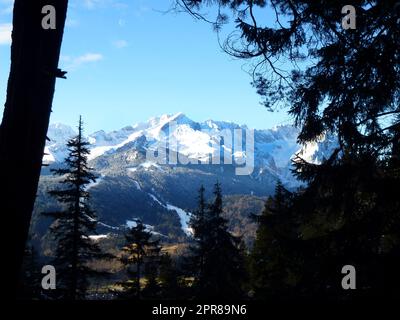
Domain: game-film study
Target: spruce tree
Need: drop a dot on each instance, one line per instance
(75, 222)
(272, 260)
(194, 263)
(152, 288)
(350, 216)
(169, 279)
(221, 269)
(30, 287)
(140, 256)
(348, 211)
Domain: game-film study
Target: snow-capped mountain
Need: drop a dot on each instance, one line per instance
(133, 182)
(55, 148)
(273, 148)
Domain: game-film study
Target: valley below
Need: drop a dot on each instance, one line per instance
(129, 186)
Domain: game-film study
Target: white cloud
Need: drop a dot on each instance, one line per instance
(120, 44)
(5, 33)
(73, 63)
(88, 57)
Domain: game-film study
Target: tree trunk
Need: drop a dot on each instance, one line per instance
(34, 60)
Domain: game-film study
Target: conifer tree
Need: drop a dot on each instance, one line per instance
(152, 288)
(75, 222)
(30, 286)
(169, 279)
(350, 216)
(139, 253)
(221, 268)
(194, 263)
(271, 258)
(348, 212)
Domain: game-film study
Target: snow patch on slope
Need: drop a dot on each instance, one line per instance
(100, 150)
(156, 200)
(148, 228)
(308, 151)
(95, 183)
(184, 216)
(137, 185)
(98, 237)
(48, 156)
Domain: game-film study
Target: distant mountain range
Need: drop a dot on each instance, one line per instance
(133, 185)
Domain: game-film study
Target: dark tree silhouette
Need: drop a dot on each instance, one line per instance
(340, 82)
(75, 223)
(152, 288)
(171, 286)
(350, 215)
(273, 258)
(30, 285)
(140, 252)
(216, 260)
(352, 85)
(34, 56)
(194, 263)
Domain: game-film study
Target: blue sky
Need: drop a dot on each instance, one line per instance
(127, 61)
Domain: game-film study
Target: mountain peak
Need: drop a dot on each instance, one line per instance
(176, 119)
(60, 133)
(181, 118)
(189, 138)
(220, 125)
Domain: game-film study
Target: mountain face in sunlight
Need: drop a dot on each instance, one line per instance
(273, 148)
(130, 186)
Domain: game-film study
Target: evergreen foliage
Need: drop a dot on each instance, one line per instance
(348, 212)
(273, 256)
(169, 277)
(30, 284)
(75, 223)
(141, 256)
(216, 255)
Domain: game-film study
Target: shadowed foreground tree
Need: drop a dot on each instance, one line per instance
(344, 82)
(350, 215)
(216, 260)
(75, 223)
(30, 285)
(273, 256)
(332, 78)
(34, 62)
(194, 263)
